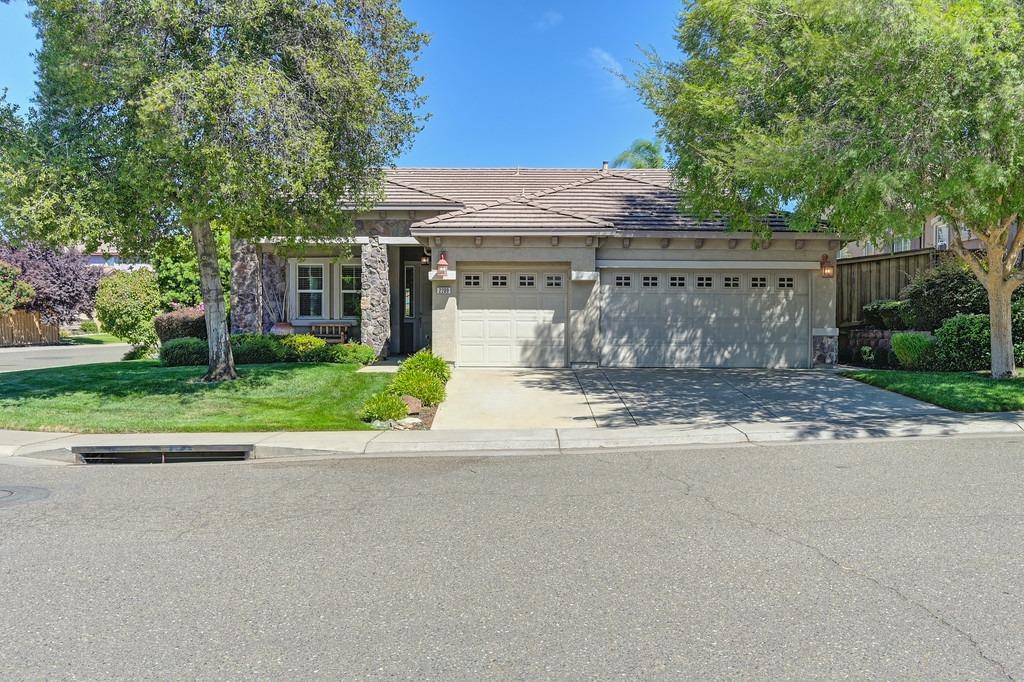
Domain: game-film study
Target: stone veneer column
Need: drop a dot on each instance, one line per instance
(275, 289)
(375, 329)
(246, 300)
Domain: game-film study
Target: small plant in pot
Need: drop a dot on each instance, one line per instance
(273, 303)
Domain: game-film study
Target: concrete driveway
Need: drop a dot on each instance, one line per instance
(41, 357)
(484, 399)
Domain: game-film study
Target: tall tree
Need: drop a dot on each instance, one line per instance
(873, 114)
(641, 154)
(271, 118)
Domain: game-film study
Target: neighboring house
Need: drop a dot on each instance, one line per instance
(109, 258)
(551, 268)
(935, 236)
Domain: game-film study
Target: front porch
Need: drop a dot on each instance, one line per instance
(375, 288)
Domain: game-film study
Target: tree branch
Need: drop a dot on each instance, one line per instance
(1014, 249)
(969, 257)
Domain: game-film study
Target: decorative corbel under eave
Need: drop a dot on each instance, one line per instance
(698, 243)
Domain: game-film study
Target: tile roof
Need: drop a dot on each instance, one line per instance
(495, 198)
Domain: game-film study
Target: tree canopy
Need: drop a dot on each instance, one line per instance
(871, 114)
(160, 117)
(641, 154)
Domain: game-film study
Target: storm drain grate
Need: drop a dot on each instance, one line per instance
(161, 454)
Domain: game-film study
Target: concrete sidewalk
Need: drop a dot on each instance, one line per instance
(56, 447)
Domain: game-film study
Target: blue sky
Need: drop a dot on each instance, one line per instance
(509, 83)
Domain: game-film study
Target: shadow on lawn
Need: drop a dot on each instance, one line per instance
(137, 379)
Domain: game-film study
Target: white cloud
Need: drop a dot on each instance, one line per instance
(548, 20)
(609, 66)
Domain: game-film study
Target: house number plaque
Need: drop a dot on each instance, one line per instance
(444, 291)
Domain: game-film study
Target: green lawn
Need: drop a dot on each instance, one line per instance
(963, 392)
(142, 396)
(90, 339)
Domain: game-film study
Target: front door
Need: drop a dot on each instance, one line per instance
(410, 300)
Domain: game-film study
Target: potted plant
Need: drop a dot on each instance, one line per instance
(274, 304)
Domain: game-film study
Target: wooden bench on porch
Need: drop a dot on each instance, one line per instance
(331, 333)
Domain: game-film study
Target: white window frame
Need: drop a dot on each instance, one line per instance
(325, 293)
(626, 277)
(493, 275)
(767, 282)
(342, 290)
(679, 283)
(727, 287)
(531, 285)
(790, 284)
(710, 279)
(644, 278)
(551, 277)
(479, 280)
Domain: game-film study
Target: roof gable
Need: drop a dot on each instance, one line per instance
(514, 213)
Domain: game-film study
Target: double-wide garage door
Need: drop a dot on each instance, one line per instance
(518, 317)
(687, 318)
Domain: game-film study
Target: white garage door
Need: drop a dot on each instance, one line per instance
(689, 318)
(514, 317)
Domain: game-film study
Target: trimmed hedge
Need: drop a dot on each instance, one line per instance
(426, 361)
(181, 323)
(304, 348)
(888, 314)
(938, 294)
(253, 349)
(353, 354)
(184, 352)
(963, 344)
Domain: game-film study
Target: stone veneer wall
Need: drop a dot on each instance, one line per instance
(826, 350)
(246, 304)
(274, 278)
(375, 325)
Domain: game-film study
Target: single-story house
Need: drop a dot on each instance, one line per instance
(544, 267)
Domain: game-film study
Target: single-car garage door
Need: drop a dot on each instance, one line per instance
(512, 317)
(690, 318)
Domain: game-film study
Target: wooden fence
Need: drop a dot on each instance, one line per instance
(26, 329)
(869, 278)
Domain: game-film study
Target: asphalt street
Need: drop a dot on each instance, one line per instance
(41, 357)
(866, 559)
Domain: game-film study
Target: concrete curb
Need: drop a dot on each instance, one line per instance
(56, 447)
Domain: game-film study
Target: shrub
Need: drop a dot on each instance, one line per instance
(426, 361)
(251, 349)
(962, 344)
(126, 303)
(304, 348)
(384, 407)
(63, 282)
(181, 323)
(866, 356)
(14, 291)
(184, 352)
(418, 384)
(948, 289)
(913, 349)
(177, 269)
(353, 354)
(888, 314)
(89, 327)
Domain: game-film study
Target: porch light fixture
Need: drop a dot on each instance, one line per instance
(442, 265)
(425, 258)
(828, 266)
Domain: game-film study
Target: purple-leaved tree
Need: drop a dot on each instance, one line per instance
(63, 281)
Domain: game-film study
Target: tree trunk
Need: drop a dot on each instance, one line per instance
(999, 295)
(222, 364)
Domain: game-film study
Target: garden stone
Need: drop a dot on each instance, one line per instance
(410, 422)
(415, 405)
(381, 426)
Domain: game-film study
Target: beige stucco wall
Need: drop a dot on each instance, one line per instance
(578, 257)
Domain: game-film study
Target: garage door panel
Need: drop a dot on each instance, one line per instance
(513, 326)
(716, 327)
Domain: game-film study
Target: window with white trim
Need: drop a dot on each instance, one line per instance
(758, 282)
(471, 281)
(705, 281)
(351, 290)
(785, 282)
(310, 287)
(623, 281)
(677, 281)
(553, 281)
(527, 280)
(731, 281)
(499, 281)
(649, 281)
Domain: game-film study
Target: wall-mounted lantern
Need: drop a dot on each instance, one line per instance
(442, 265)
(425, 258)
(828, 266)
